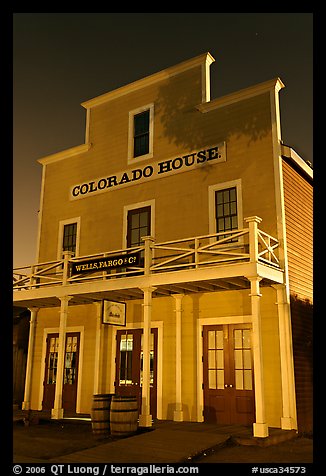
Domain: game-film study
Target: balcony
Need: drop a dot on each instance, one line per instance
(207, 263)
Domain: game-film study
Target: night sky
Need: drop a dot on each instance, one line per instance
(63, 59)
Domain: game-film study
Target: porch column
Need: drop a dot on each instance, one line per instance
(98, 344)
(178, 413)
(288, 420)
(145, 418)
(253, 223)
(26, 405)
(57, 410)
(260, 428)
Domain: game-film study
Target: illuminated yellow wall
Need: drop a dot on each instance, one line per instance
(179, 129)
(220, 307)
(181, 210)
(82, 319)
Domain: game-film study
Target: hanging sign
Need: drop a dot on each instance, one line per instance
(106, 263)
(114, 313)
(184, 163)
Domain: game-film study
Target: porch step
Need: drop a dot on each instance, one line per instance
(33, 417)
(276, 435)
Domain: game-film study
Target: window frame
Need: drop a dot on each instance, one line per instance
(132, 114)
(62, 224)
(226, 216)
(136, 206)
(130, 229)
(212, 189)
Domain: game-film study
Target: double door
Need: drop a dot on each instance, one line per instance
(70, 371)
(228, 374)
(129, 365)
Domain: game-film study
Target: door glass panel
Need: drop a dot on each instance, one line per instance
(246, 338)
(212, 379)
(247, 359)
(151, 360)
(238, 339)
(220, 379)
(219, 339)
(211, 359)
(52, 361)
(242, 359)
(247, 378)
(211, 339)
(238, 359)
(126, 346)
(239, 379)
(215, 360)
(70, 360)
(219, 359)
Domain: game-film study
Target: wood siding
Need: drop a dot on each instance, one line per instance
(302, 333)
(181, 208)
(248, 157)
(298, 203)
(298, 215)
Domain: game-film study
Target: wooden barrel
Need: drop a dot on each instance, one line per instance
(100, 414)
(123, 415)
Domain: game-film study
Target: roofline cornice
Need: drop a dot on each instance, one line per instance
(290, 153)
(246, 93)
(203, 59)
(64, 154)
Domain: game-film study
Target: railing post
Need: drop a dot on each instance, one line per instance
(148, 241)
(32, 278)
(253, 237)
(67, 255)
(197, 244)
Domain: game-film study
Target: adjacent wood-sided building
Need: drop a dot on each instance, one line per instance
(175, 259)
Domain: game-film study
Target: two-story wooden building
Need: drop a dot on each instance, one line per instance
(169, 246)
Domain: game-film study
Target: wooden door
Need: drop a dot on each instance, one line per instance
(70, 373)
(51, 362)
(129, 365)
(228, 374)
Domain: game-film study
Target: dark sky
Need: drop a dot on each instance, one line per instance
(63, 59)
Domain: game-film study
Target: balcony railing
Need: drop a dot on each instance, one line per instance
(246, 245)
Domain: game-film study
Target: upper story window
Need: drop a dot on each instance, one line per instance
(69, 237)
(141, 133)
(138, 225)
(140, 142)
(225, 207)
(68, 240)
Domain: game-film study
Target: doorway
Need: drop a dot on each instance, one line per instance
(228, 378)
(70, 372)
(129, 365)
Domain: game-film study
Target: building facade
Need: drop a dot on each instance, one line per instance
(169, 246)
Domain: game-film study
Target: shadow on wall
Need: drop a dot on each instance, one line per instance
(302, 334)
(185, 126)
(171, 408)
